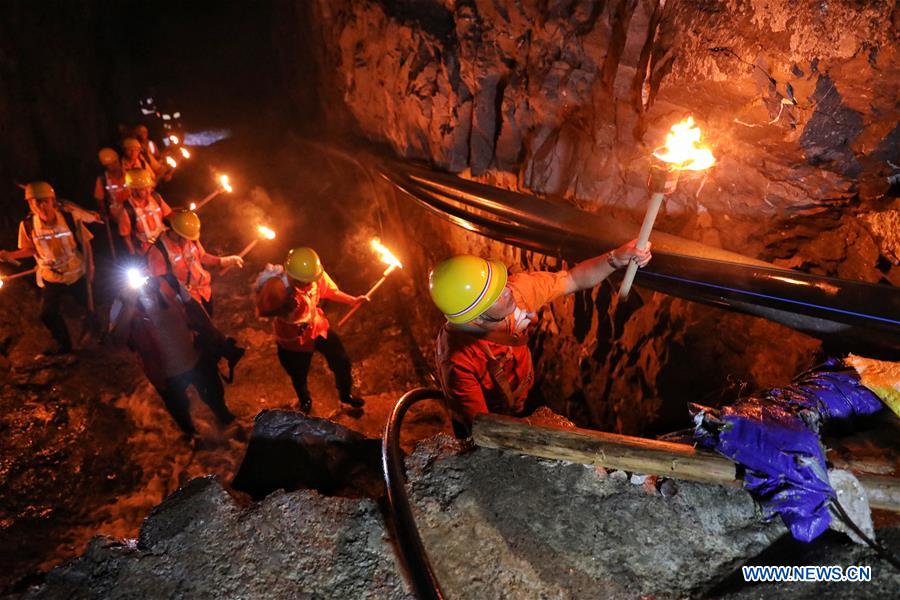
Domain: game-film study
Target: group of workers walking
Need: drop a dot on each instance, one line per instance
(164, 314)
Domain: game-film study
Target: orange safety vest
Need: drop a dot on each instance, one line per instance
(500, 368)
(184, 260)
(116, 192)
(147, 221)
(57, 251)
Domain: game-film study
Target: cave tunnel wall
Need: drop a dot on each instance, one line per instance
(566, 99)
(57, 98)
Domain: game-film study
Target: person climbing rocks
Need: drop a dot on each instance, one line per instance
(178, 250)
(54, 233)
(141, 219)
(292, 293)
(484, 364)
(152, 316)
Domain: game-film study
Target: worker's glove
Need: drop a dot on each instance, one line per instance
(360, 299)
(233, 261)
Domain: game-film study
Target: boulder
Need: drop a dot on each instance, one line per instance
(290, 450)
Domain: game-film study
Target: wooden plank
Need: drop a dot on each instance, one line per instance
(649, 457)
(609, 450)
(883, 491)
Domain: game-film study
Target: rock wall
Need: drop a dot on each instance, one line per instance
(63, 81)
(199, 543)
(495, 525)
(567, 99)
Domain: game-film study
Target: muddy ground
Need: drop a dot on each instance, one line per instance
(88, 446)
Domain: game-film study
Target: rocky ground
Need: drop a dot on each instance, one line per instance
(495, 524)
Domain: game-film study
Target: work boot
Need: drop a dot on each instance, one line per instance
(354, 401)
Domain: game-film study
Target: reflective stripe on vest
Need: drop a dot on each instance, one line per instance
(149, 221)
(196, 276)
(55, 248)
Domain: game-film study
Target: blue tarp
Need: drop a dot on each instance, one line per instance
(775, 436)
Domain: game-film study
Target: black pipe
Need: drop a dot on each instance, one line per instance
(847, 315)
(413, 556)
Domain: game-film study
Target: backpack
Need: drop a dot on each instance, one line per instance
(211, 342)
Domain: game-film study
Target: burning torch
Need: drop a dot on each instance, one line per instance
(5, 278)
(388, 258)
(264, 233)
(682, 152)
(224, 186)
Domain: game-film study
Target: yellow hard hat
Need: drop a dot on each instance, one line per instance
(39, 190)
(138, 178)
(465, 286)
(130, 142)
(108, 156)
(303, 264)
(186, 223)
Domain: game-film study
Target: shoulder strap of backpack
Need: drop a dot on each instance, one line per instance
(169, 275)
(73, 227)
(28, 222)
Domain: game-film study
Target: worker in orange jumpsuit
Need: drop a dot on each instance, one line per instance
(292, 294)
(484, 364)
(141, 218)
(55, 235)
(178, 250)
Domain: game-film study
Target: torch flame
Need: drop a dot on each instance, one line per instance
(265, 232)
(185, 153)
(193, 206)
(385, 255)
(174, 139)
(171, 162)
(683, 150)
(223, 180)
(1, 283)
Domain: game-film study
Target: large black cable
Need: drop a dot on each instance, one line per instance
(412, 553)
(850, 316)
